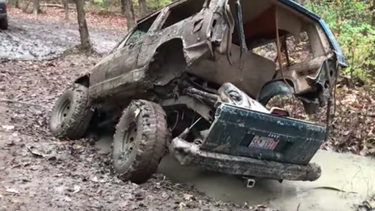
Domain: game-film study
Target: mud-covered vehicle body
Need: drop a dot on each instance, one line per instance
(188, 79)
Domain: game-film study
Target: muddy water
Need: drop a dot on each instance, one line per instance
(346, 180)
(39, 39)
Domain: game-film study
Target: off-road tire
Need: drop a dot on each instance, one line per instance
(145, 145)
(4, 24)
(77, 118)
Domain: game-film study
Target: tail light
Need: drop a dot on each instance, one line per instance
(279, 112)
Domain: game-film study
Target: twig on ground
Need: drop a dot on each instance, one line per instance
(298, 206)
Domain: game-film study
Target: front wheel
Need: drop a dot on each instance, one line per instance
(140, 141)
(71, 114)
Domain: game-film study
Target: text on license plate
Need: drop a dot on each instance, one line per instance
(264, 142)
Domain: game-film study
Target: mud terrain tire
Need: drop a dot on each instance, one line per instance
(4, 24)
(140, 141)
(71, 114)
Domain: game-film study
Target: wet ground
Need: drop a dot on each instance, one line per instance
(40, 39)
(346, 180)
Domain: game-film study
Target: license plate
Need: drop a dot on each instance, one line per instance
(264, 142)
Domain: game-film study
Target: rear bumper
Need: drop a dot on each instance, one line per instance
(190, 154)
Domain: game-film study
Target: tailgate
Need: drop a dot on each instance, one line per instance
(243, 132)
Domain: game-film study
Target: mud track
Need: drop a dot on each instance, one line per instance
(38, 172)
(38, 39)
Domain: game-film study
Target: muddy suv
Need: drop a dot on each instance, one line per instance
(192, 79)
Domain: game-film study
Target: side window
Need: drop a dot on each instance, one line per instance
(135, 36)
(141, 29)
(183, 11)
(267, 50)
(299, 48)
(295, 49)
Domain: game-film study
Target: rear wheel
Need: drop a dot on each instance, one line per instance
(71, 114)
(140, 141)
(4, 24)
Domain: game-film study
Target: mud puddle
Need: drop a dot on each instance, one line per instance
(346, 180)
(42, 39)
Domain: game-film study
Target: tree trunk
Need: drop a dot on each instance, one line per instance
(129, 13)
(105, 4)
(142, 7)
(17, 4)
(373, 14)
(82, 26)
(122, 3)
(27, 6)
(36, 7)
(66, 9)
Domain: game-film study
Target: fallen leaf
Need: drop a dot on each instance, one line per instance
(67, 199)
(95, 179)
(10, 190)
(35, 152)
(182, 205)
(78, 146)
(8, 127)
(188, 197)
(76, 189)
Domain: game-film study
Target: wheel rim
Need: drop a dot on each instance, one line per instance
(64, 110)
(128, 141)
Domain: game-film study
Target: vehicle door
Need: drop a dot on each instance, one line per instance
(123, 58)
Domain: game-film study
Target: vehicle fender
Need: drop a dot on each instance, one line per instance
(83, 80)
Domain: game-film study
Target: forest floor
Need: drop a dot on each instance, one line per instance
(38, 171)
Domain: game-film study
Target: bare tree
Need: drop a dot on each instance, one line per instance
(142, 7)
(15, 3)
(82, 26)
(127, 9)
(36, 7)
(373, 14)
(66, 9)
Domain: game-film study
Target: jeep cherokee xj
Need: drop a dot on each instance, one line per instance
(188, 80)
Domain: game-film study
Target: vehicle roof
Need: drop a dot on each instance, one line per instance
(299, 8)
